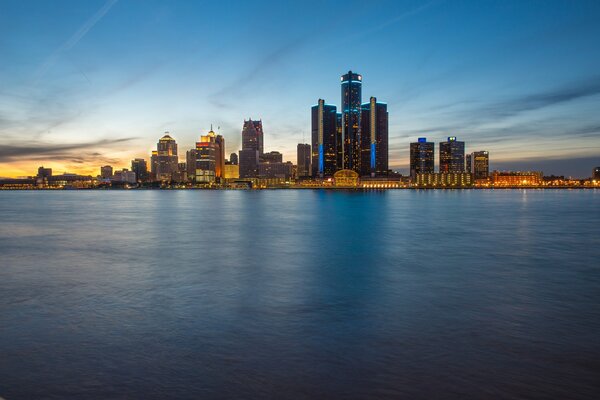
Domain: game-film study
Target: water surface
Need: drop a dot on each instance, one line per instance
(300, 294)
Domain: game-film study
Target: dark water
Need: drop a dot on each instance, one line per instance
(300, 294)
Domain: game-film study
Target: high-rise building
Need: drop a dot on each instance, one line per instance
(596, 173)
(339, 140)
(233, 159)
(324, 146)
(478, 164)
(248, 167)
(44, 172)
(374, 138)
(452, 155)
(271, 157)
(351, 126)
(303, 160)
(166, 158)
(190, 164)
(210, 158)
(252, 136)
(422, 157)
(106, 172)
(140, 168)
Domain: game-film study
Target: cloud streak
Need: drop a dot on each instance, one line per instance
(74, 39)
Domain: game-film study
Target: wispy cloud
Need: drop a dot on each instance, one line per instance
(74, 39)
(39, 151)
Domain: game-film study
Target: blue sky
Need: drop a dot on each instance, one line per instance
(87, 83)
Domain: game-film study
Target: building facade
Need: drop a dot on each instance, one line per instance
(443, 180)
(248, 166)
(479, 164)
(351, 121)
(452, 156)
(140, 168)
(422, 157)
(324, 139)
(253, 136)
(210, 161)
(374, 138)
(303, 160)
(165, 161)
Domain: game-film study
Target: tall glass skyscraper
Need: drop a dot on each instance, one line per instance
(351, 113)
(324, 143)
(374, 138)
(452, 155)
(422, 157)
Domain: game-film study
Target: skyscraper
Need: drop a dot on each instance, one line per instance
(248, 163)
(422, 157)
(252, 136)
(166, 158)
(479, 164)
(140, 167)
(303, 160)
(452, 155)
(324, 146)
(210, 161)
(374, 138)
(351, 126)
(106, 172)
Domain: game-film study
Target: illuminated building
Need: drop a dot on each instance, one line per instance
(374, 138)
(422, 157)
(275, 170)
(124, 176)
(303, 160)
(339, 141)
(443, 180)
(324, 145)
(210, 158)
(106, 172)
(248, 166)
(232, 171)
(271, 157)
(596, 173)
(346, 178)
(351, 126)
(153, 164)
(166, 158)
(233, 159)
(516, 178)
(478, 163)
(252, 136)
(140, 167)
(452, 155)
(44, 172)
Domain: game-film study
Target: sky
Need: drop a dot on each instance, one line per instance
(96, 82)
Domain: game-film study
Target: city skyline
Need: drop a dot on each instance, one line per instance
(76, 97)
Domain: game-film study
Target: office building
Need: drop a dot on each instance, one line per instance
(478, 164)
(124, 176)
(374, 138)
(324, 145)
(232, 171)
(252, 136)
(517, 178)
(140, 168)
(422, 157)
(303, 160)
(596, 173)
(233, 159)
(275, 170)
(351, 125)
(165, 160)
(44, 172)
(248, 166)
(271, 157)
(106, 172)
(452, 156)
(443, 180)
(210, 161)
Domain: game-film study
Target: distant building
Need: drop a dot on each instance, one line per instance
(374, 138)
(303, 156)
(140, 167)
(517, 178)
(452, 156)
(478, 164)
(232, 171)
(324, 143)
(272, 157)
(248, 165)
(44, 172)
(190, 164)
(596, 173)
(125, 176)
(210, 161)
(422, 157)
(166, 160)
(351, 125)
(106, 172)
(253, 136)
(443, 180)
(233, 159)
(346, 178)
(276, 170)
